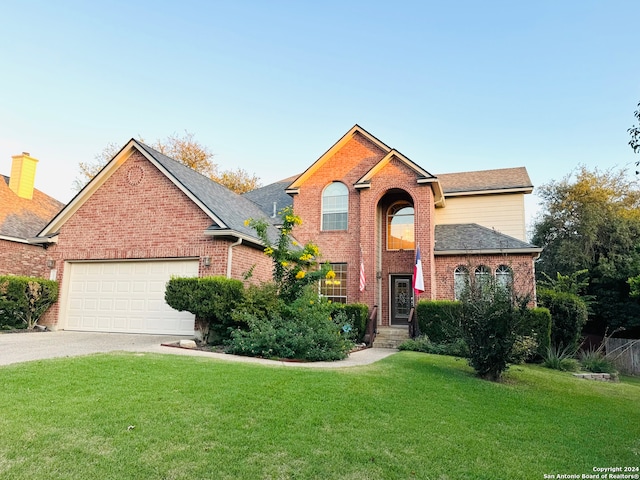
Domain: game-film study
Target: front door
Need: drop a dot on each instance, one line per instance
(401, 295)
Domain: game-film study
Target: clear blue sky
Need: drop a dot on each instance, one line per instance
(270, 85)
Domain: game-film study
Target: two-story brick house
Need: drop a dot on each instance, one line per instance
(369, 207)
(146, 217)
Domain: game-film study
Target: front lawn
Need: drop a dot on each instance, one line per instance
(412, 415)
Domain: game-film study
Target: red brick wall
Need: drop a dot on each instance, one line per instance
(522, 267)
(18, 258)
(137, 214)
(366, 222)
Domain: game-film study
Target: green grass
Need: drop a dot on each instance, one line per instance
(411, 415)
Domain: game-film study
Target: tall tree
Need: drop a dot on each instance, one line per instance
(184, 149)
(591, 221)
(634, 131)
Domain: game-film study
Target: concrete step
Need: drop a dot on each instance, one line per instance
(390, 337)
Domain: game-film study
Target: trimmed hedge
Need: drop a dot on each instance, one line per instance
(440, 320)
(23, 300)
(568, 316)
(211, 299)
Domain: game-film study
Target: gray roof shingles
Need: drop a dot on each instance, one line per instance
(498, 179)
(228, 206)
(469, 237)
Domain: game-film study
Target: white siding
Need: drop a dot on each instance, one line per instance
(504, 213)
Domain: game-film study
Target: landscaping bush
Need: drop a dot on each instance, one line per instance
(568, 316)
(439, 320)
(302, 330)
(524, 348)
(536, 323)
(357, 315)
(594, 361)
(489, 320)
(23, 300)
(457, 348)
(211, 299)
(559, 358)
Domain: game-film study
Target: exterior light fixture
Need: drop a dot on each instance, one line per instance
(206, 261)
(51, 263)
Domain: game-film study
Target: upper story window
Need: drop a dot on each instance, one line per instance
(335, 206)
(400, 227)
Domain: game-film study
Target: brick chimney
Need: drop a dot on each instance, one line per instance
(23, 174)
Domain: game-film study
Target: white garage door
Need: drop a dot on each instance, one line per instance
(126, 297)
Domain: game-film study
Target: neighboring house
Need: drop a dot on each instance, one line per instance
(142, 219)
(24, 211)
(368, 206)
(146, 217)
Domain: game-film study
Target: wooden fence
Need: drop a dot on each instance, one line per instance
(625, 353)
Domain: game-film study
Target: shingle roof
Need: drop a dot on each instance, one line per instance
(22, 218)
(265, 197)
(474, 238)
(228, 206)
(498, 179)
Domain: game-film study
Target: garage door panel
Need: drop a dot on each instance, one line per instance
(126, 296)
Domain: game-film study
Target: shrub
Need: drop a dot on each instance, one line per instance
(524, 348)
(211, 299)
(357, 314)
(537, 323)
(457, 348)
(439, 320)
(489, 320)
(23, 300)
(568, 315)
(594, 361)
(303, 330)
(559, 358)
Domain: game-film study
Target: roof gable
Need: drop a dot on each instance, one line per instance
(227, 209)
(355, 130)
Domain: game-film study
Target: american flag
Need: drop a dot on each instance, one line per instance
(363, 278)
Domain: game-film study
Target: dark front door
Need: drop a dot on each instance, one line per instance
(401, 294)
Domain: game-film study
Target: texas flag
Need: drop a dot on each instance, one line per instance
(418, 279)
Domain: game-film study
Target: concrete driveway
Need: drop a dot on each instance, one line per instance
(26, 347)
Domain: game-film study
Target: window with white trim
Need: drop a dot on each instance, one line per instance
(504, 276)
(335, 206)
(335, 289)
(400, 227)
(460, 281)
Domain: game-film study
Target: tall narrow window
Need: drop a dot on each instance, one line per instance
(504, 276)
(460, 281)
(335, 206)
(335, 289)
(400, 227)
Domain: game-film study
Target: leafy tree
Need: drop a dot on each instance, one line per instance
(591, 222)
(634, 131)
(184, 149)
(294, 266)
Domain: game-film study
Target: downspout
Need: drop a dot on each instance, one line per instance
(230, 256)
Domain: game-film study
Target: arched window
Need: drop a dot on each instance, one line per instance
(460, 281)
(504, 276)
(335, 206)
(483, 275)
(400, 227)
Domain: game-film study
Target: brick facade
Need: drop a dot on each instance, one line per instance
(138, 213)
(18, 258)
(366, 234)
